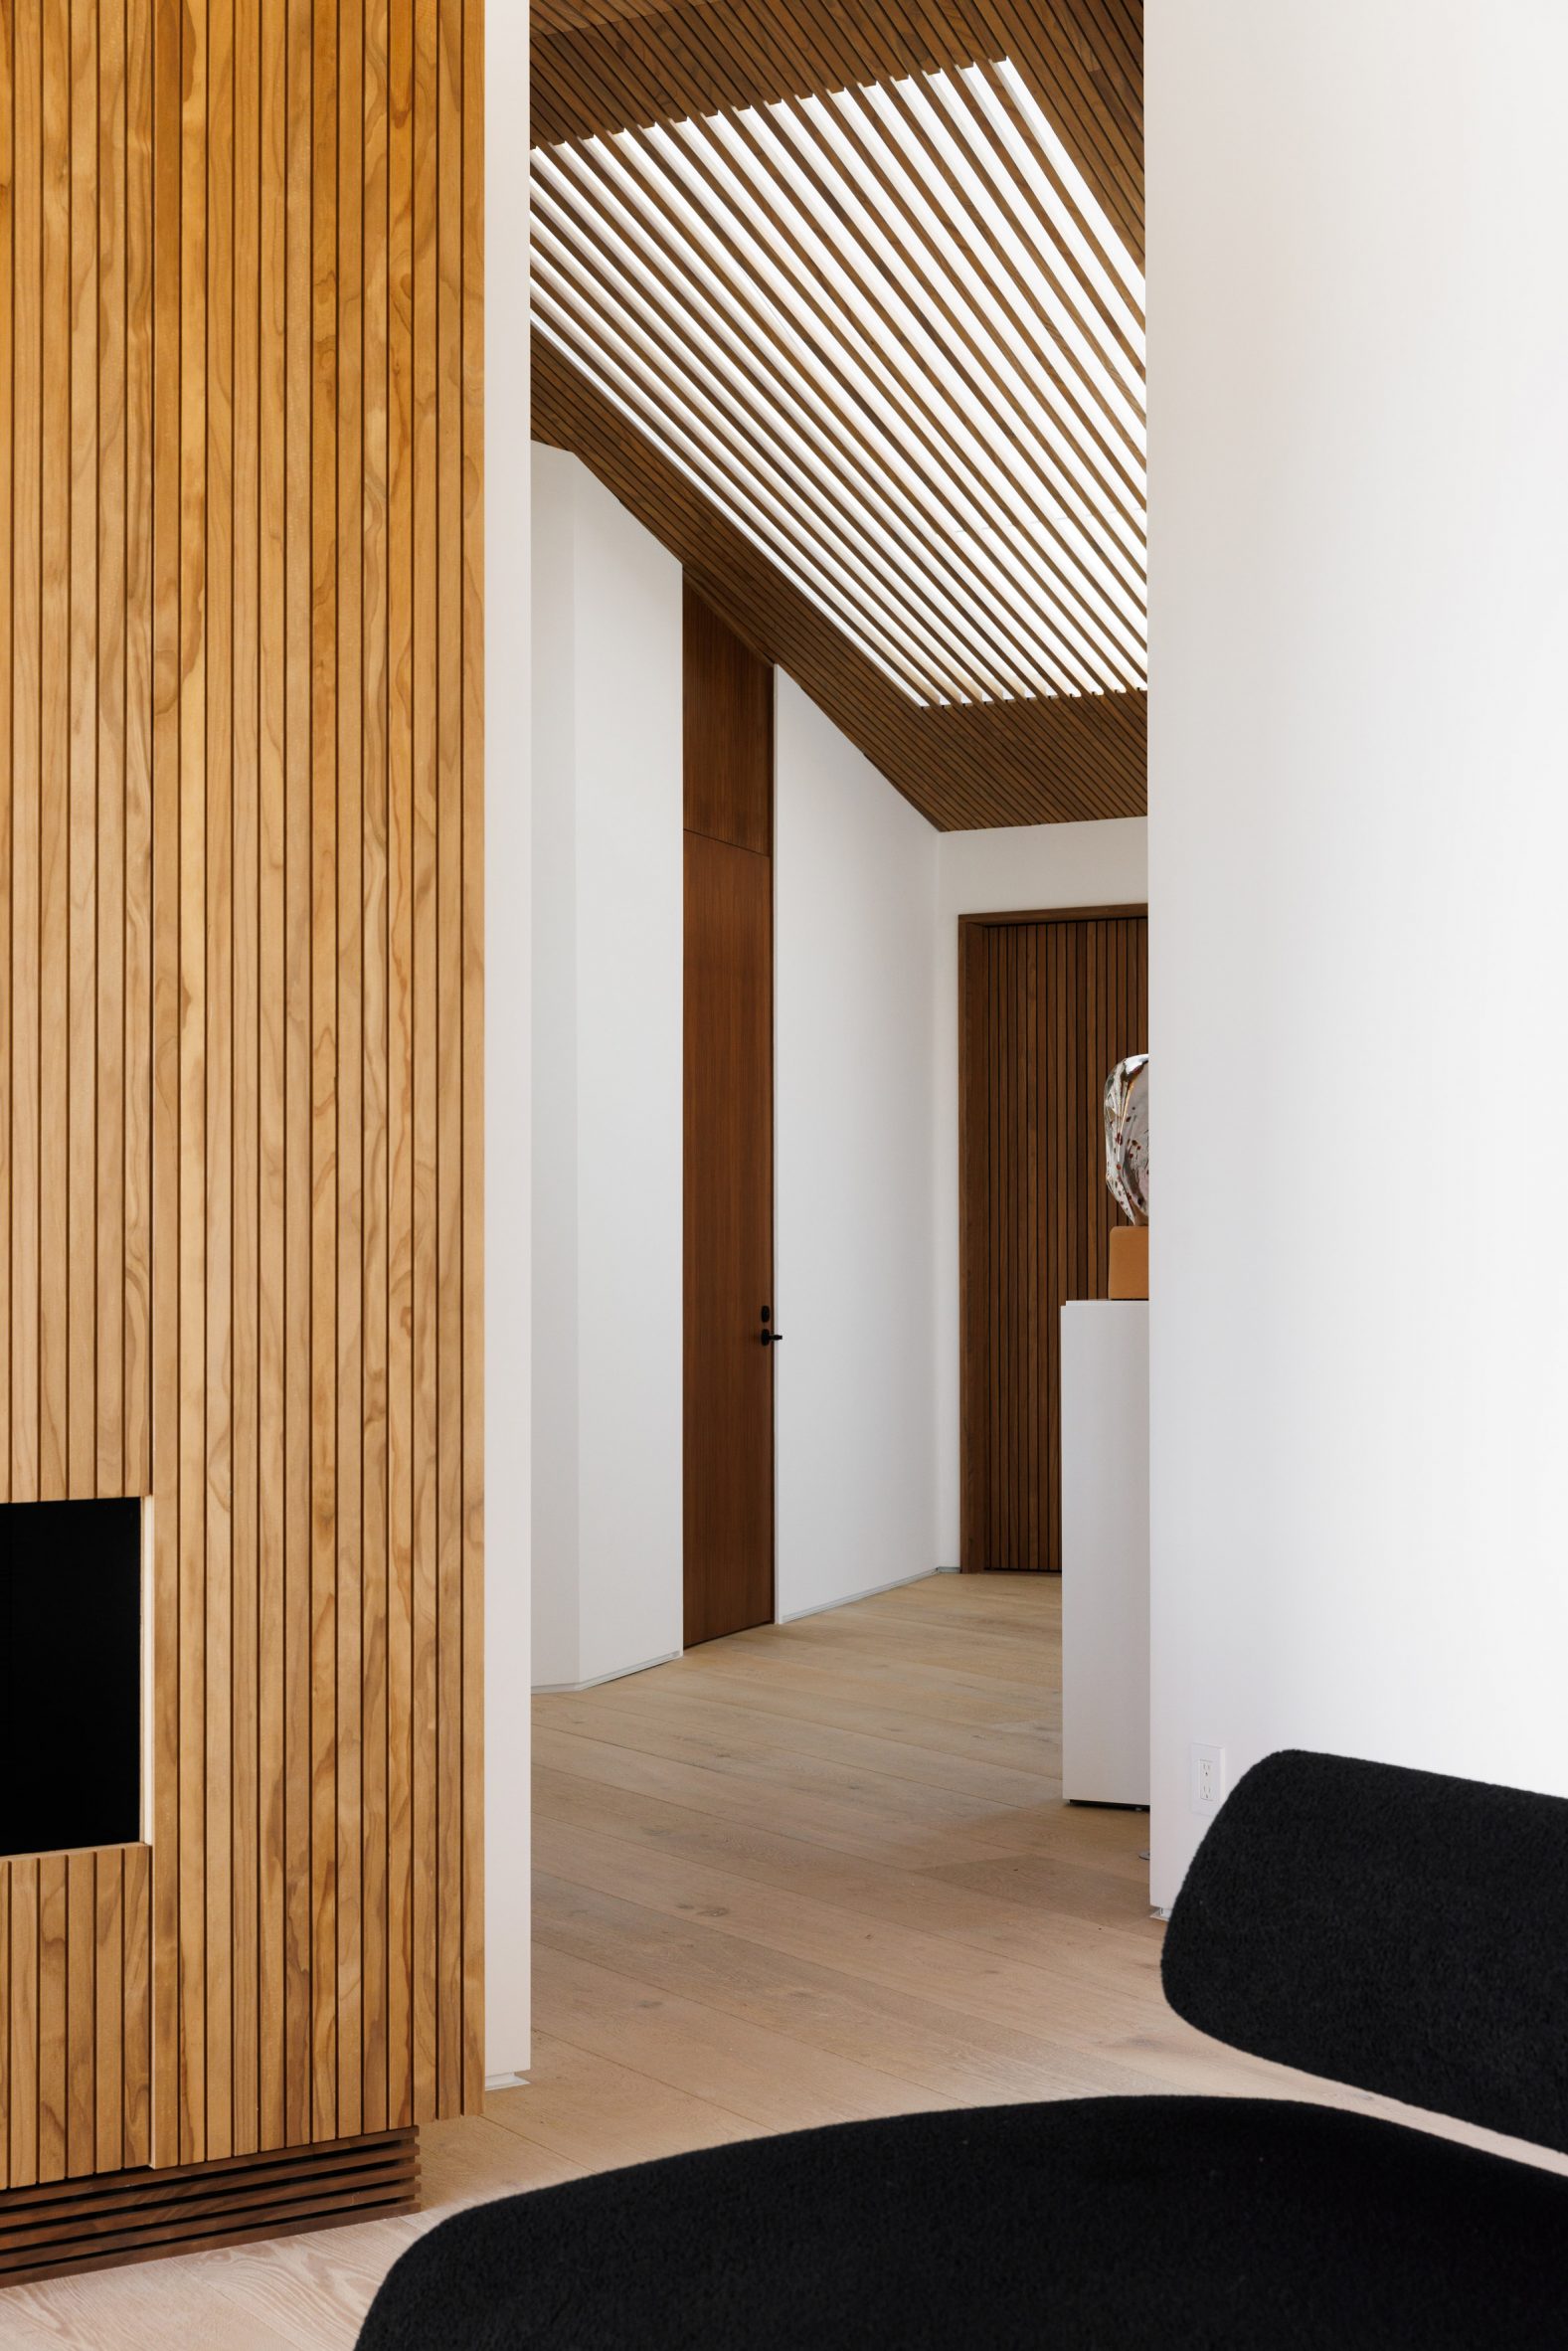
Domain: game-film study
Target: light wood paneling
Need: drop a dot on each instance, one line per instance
(1048, 1004)
(297, 754)
(75, 851)
(73, 2014)
(241, 1035)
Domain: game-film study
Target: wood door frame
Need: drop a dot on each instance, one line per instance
(1052, 914)
(969, 928)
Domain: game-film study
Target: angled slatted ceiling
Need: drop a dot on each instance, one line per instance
(893, 336)
(975, 763)
(608, 63)
(889, 340)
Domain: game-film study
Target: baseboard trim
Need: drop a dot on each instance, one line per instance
(598, 1681)
(105, 2221)
(825, 1607)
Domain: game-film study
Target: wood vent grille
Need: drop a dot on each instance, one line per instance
(136, 2216)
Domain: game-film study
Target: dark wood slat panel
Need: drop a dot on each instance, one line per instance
(728, 1216)
(729, 732)
(1048, 1003)
(133, 2214)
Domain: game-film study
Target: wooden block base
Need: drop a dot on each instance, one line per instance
(136, 2216)
(1128, 1261)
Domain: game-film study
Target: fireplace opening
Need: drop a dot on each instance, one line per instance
(70, 1675)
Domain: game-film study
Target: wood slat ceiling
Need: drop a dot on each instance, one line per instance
(845, 306)
(613, 63)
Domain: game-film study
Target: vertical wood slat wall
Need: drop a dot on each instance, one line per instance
(76, 632)
(241, 1036)
(1047, 1007)
(75, 2056)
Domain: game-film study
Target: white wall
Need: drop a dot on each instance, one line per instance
(1002, 873)
(854, 879)
(1358, 835)
(867, 898)
(608, 1018)
(507, 1076)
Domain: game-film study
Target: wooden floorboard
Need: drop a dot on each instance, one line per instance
(817, 1872)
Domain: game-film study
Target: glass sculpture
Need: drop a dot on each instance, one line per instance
(1127, 1136)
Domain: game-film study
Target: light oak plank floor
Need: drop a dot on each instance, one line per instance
(817, 1872)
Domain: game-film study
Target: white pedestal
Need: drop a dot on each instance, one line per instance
(1105, 1553)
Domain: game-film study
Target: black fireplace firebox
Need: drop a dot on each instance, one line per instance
(70, 1675)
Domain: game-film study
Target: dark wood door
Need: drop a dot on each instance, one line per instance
(729, 1299)
(1048, 1004)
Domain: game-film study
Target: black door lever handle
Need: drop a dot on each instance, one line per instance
(772, 1337)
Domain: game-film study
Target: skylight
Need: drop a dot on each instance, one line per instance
(891, 335)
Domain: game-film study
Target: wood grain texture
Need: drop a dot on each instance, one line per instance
(840, 533)
(241, 1041)
(1043, 760)
(75, 388)
(297, 765)
(606, 68)
(728, 1132)
(73, 2026)
(1048, 1004)
(728, 728)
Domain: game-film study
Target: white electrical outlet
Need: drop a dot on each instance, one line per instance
(1208, 1779)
